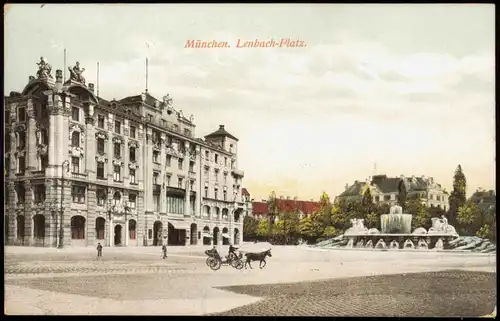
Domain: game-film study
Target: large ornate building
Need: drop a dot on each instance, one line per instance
(131, 172)
(386, 189)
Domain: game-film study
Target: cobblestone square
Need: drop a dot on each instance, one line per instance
(296, 281)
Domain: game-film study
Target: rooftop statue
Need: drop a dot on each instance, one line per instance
(76, 73)
(44, 69)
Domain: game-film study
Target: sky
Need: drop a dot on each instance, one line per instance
(387, 89)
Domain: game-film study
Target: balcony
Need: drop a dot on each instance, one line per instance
(38, 173)
(156, 189)
(171, 127)
(238, 173)
(78, 175)
(192, 175)
(175, 191)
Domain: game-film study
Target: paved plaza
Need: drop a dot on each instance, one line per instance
(296, 281)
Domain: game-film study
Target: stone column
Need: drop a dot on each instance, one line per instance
(148, 173)
(91, 214)
(31, 159)
(13, 162)
(90, 147)
(163, 181)
(126, 230)
(188, 236)
(11, 213)
(199, 181)
(187, 185)
(110, 151)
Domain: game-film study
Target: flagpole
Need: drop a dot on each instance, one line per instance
(98, 79)
(64, 65)
(146, 74)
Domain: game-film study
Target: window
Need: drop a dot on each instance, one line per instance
(21, 193)
(22, 139)
(132, 131)
(117, 150)
(75, 164)
(21, 164)
(150, 234)
(187, 132)
(168, 180)
(180, 163)
(78, 194)
(131, 175)
(39, 191)
(175, 205)
(7, 116)
(7, 166)
(180, 180)
(131, 229)
(191, 185)
(377, 199)
(117, 198)
(176, 128)
(100, 121)
(216, 158)
(150, 117)
(156, 156)
(216, 174)
(225, 195)
(100, 145)
(101, 196)
(116, 173)
(215, 193)
(131, 154)
(169, 160)
(117, 126)
(75, 113)
(206, 191)
(387, 197)
(164, 122)
(100, 228)
(156, 202)
(155, 178)
(100, 170)
(191, 166)
(21, 114)
(225, 178)
(207, 154)
(232, 164)
(225, 161)
(75, 139)
(132, 200)
(78, 228)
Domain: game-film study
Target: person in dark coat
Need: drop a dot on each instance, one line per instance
(99, 250)
(164, 248)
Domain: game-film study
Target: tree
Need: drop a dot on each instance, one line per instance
(322, 217)
(307, 228)
(263, 228)
(420, 212)
(402, 194)
(250, 225)
(272, 208)
(457, 197)
(469, 218)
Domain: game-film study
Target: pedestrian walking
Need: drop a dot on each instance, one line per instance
(99, 250)
(164, 249)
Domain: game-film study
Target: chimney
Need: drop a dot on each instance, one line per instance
(356, 182)
(91, 87)
(31, 78)
(346, 186)
(281, 197)
(288, 198)
(295, 198)
(221, 126)
(312, 200)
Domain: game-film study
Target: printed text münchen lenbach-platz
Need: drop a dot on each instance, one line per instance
(240, 43)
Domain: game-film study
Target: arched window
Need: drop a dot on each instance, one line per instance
(99, 228)
(78, 227)
(131, 229)
(117, 198)
(75, 139)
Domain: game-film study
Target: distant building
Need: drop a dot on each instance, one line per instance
(260, 210)
(485, 199)
(386, 189)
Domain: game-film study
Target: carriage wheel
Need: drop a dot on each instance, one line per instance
(208, 260)
(214, 264)
(239, 265)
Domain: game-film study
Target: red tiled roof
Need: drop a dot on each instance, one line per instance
(306, 207)
(244, 192)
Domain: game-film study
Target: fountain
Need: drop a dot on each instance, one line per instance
(396, 234)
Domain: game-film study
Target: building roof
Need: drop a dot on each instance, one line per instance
(355, 189)
(389, 185)
(244, 192)
(221, 132)
(286, 206)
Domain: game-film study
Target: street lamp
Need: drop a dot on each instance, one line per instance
(61, 220)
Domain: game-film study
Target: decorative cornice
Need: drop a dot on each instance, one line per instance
(101, 134)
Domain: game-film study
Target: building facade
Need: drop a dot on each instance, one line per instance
(260, 210)
(385, 190)
(81, 170)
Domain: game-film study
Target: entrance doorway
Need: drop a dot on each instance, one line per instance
(225, 236)
(236, 236)
(216, 236)
(194, 234)
(175, 236)
(118, 234)
(157, 231)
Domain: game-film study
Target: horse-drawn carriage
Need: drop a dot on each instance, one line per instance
(214, 260)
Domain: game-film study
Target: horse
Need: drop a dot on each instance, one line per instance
(261, 257)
